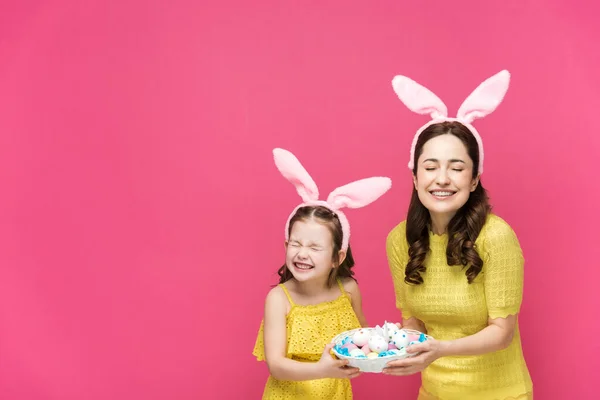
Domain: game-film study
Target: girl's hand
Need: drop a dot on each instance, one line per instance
(332, 368)
(430, 350)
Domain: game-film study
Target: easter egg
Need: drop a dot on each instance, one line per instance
(365, 349)
(372, 355)
(378, 344)
(361, 337)
(350, 346)
(400, 339)
(358, 353)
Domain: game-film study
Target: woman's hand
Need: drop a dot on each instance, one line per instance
(430, 350)
(330, 367)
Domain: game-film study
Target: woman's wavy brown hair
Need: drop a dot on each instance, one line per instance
(328, 218)
(463, 228)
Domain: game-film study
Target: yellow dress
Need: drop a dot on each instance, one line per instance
(451, 308)
(309, 329)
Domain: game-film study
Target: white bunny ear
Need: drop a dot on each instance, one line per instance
(293, 171)
(484, 100)
(359, 193)
(418, 98)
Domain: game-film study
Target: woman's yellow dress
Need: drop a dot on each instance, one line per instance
(451, 308)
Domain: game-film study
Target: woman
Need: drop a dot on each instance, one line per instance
(457, 268)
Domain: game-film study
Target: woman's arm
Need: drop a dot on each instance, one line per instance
(498, 335)
(414, 323)
(397, 254)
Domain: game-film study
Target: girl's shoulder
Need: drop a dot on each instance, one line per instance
(279, 298)
(349, 284)
(276, 293)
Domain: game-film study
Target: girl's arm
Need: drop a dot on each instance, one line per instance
(275, 342)
(352, 289)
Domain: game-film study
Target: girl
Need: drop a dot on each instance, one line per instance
(317, 297)
(457, 268)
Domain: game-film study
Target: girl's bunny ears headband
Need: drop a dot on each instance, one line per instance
(353, 195)
(481, 102)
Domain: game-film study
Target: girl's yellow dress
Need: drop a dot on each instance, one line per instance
(309, 329)
(451, 308)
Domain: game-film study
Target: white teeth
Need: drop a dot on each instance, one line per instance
(442, 194)
(303, 266)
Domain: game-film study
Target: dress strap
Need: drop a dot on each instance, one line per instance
(287, 294)
(339, 281)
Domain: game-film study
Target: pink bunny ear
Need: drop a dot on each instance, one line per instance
(293, 171)
(359, 193)
(484, 100)
(418, 98)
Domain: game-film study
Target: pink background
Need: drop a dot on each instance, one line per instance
(142, 215)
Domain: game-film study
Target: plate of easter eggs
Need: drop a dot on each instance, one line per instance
(370, 349)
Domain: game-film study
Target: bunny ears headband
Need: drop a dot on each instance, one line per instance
(481, 102)
(353, 195)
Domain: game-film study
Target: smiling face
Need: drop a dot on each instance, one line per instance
(444, 176)
(313, 249)
(309, 251)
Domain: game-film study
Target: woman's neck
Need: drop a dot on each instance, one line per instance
(440, 222)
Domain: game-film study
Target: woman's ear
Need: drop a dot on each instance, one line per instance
(415, 181)
(474, 183)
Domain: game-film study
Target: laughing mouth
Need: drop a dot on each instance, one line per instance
(441, 193)
(303, 266)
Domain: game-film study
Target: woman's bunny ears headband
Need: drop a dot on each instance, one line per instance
(481, 102)
(353, 195)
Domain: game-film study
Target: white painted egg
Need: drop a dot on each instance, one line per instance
(378, 344)
(400, 338)
(357, 353)
(361, 337)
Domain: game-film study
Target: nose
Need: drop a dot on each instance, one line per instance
(442, 177)
(302, 253)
